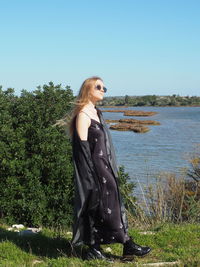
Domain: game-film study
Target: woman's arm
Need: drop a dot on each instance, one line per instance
(82, 124)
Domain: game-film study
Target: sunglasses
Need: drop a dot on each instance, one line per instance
(98, 87)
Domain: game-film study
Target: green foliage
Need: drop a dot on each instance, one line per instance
(126, 187)
(151, 100)
(194, 171)
(36, 172)
(126, 99)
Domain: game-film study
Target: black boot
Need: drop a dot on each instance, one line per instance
(131, 249)
(95, 252)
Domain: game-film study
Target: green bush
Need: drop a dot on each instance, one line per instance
(126, 188)
(36, 172)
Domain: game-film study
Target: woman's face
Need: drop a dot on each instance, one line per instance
(96, 94)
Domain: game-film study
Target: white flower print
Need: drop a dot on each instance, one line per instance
(104, 180)
(109, 211)
(101, 153)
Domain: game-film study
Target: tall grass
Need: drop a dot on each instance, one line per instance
(171, 199)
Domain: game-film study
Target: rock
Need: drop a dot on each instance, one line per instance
(158, 264)
(108, 249)
(69, 233)
(36, 262)
(148, 122)
(36, 230)
(30, 231)
(108, 121)
(133, 121)
(18, 226)
(129, 127)
(132, 112)
(139, 113)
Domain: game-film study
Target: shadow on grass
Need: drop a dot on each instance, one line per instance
(41, 245)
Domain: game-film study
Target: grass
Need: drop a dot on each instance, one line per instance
(169, 242)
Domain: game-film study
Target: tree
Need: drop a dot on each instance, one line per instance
(126, 99)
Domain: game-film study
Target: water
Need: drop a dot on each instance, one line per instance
(165, 147)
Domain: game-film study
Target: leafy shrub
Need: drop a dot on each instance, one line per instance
(36, 172)
(126, 187)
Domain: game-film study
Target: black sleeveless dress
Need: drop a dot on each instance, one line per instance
(108, 226)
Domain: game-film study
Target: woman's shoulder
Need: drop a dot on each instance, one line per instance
(82, 118)
(84, 113)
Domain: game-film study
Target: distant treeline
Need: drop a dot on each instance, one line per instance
(151, 100)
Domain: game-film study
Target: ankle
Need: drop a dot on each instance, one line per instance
(128, 241)
(96, 246)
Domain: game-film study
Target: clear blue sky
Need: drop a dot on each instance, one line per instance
(138, 47)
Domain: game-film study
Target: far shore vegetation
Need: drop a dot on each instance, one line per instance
(137, 101)
(150, 100)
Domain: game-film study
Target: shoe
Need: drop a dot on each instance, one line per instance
(130, 249)
(93, 254)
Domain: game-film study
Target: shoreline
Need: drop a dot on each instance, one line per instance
(111, 106)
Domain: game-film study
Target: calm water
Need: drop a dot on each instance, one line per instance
(164, 148)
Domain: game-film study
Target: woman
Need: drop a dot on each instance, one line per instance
(99, 212)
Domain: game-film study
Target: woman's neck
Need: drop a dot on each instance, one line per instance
(91, 105)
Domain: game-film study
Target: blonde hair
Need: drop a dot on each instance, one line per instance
(68, 121)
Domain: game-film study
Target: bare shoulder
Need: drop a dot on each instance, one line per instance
(82, 124)
(83, 118)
